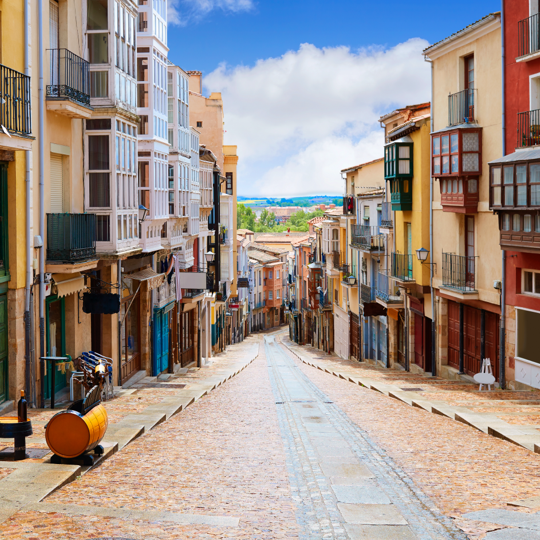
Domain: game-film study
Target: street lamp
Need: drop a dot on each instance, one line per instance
(422, 255)
(209, 256)
(143, 212)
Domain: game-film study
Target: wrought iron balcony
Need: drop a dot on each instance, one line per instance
(69, 77)
(461, 107)
(338, 263)
(387, 289)
(402, 265)
(529, 35)
(528, 128)
(459, 272)
(367, 238)
(305, 304)
(367, 293)
(15, 101)
(71, 238)
(387, 216)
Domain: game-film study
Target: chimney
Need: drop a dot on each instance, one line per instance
(195, 81)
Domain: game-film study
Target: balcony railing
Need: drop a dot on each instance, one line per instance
(528, 128)
(387, 289)
(192, 293)
(305, 304)
(325, 303)
(402, 266)
(529, 35)
(338, 263)
(71, 237)
(387, 216)
(367, 293)
(15, 98)
(367, 238)
(69, 77)
(461, 107)
(459, 272)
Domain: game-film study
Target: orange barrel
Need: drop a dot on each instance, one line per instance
(69, 434)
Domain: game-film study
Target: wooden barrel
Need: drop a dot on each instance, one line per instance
(69, 434)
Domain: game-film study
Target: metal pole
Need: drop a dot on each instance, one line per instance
(41, 143)
(30, 390)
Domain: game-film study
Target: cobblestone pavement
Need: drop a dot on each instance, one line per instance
(284, 450)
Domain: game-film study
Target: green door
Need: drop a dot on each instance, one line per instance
(55, 325)
(3, 349)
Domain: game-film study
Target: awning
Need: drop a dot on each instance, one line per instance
(67, 284)
(153, 278)
(526, 154)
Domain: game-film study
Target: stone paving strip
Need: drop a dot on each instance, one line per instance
(454, 399)
(31, 480)
(346, 485)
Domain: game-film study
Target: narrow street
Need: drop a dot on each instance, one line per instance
(283, 450)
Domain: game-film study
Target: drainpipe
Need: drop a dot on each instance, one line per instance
(41, 143)
(502, 355)
(119, 277)
(29, 276)
(432, 266)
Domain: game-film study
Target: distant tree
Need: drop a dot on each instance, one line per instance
(267, 219)
(337, 202)
(245, 217)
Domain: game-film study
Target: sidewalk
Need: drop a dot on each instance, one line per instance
(132, 413)
(510, 415)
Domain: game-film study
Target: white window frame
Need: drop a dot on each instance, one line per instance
(533, 272)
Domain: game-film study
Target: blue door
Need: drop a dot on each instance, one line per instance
(165, 342)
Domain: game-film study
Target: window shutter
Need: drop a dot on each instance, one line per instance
(57, 184)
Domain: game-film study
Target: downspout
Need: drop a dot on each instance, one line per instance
(30, 391)
(502, 355)
(432, 265)
(41, 143)
(119, 277)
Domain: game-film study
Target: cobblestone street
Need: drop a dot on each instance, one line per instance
(283, 450)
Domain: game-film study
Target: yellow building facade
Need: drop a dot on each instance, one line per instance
(467, 135)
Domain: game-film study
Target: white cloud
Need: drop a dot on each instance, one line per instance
(181, 12)
(301, 118)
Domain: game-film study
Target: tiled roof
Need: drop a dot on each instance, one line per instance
(261, 256)
(362, 165)
(463, 31)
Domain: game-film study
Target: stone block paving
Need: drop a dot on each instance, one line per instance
(461, 469)
(217, 470)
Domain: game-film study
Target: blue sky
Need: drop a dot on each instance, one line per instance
(281, 65)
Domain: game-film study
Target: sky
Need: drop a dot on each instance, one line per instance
(304, 82)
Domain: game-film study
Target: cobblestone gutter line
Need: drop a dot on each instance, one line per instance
(427, 522)
(32, 482)
(525, 436)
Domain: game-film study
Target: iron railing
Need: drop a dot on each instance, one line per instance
(462, 107)
(191, 293)
(367, 293)
(387, 289)
(459, 272)
(367, 238)
(69, 77)
(402, 266)
(15, 101)
(338, 263)
(529, 35)
(71, 237)
(528, 128)
(305, 304)
(387, 216)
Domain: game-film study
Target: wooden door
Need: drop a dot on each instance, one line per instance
(354, 337)
(453, 334)
(3, 349)
(419, 359)
(491, 344)
(131, 331)
(401, 342)
(471, 340)
(469, 251)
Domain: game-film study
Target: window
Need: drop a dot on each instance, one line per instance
(199, 124)
(527, 325)
(335, 240)
(270, 295)
(96, 15)
(366, 213)
(508, 179)
(496, 186)
(516, 222)
(99, 84)
(270, 275)
(278, 294)
(530, 283)
(229, 183)
(277, 274)
(98, 48)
